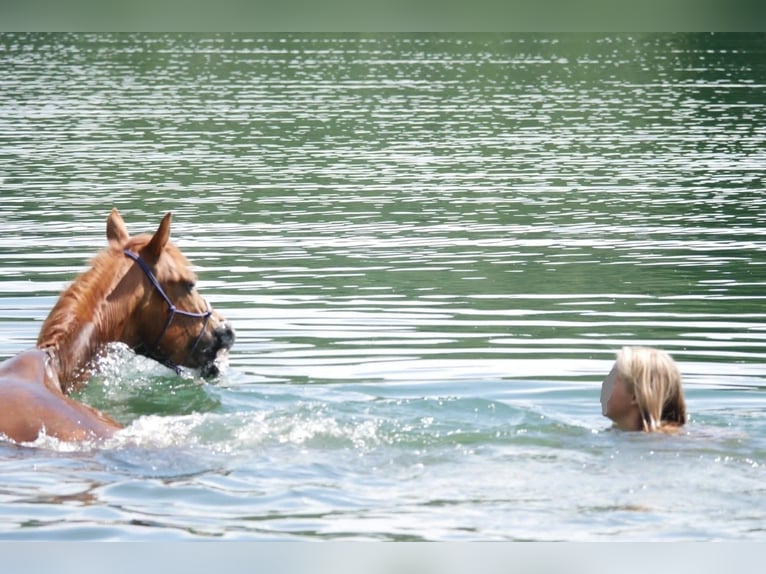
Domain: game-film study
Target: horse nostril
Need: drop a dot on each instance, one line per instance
(224, 334)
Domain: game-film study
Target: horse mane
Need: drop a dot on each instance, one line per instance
(74, 329)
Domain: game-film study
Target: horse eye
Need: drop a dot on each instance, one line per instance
(189, 285)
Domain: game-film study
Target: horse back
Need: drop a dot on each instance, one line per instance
(32, 403)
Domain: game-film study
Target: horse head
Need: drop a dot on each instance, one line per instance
(168, 320)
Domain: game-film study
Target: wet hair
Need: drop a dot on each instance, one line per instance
(653, 377)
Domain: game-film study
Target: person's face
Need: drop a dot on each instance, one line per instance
(607, 387)
(616, 402)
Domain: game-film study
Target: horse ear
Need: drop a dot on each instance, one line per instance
(161, 237)
(116, 232)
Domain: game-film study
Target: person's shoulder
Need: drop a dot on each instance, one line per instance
(704, 432)
(672, 428)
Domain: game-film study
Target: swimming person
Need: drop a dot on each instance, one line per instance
(643, 391)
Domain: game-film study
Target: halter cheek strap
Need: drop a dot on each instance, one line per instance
(172, 312)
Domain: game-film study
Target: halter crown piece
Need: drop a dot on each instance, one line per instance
(172, 312)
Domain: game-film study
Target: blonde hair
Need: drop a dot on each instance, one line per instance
(653, 377)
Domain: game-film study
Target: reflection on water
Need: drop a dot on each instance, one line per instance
(451, 233)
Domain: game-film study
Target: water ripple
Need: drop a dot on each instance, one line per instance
(430, 247)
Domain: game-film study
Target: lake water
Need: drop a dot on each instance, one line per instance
(431, 247)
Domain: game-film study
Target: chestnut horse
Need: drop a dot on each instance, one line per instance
(139, 291)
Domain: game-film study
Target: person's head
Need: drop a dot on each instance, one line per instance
(643, 391)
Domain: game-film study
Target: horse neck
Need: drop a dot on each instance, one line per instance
(85, 318)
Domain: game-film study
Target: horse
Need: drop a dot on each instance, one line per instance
(140, 291)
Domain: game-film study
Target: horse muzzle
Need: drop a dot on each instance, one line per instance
(221, 340)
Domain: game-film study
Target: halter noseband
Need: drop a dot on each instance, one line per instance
(173, 311)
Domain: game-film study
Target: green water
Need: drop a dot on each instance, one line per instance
(431, 247)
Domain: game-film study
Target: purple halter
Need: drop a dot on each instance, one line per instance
(173, 311)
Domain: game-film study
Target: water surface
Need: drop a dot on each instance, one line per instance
(431, 248)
